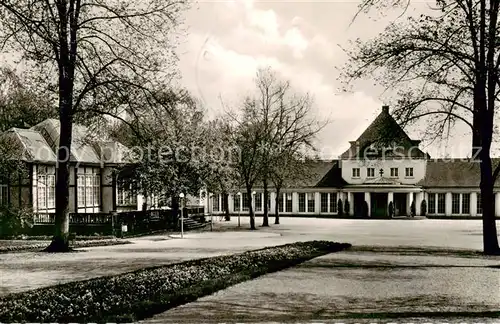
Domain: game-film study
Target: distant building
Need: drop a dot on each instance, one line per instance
(383, 165)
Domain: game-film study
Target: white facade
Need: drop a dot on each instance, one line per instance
(377, 172)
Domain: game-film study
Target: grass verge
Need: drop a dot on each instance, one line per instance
(140, 294)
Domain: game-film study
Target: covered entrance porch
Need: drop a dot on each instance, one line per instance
(379, 198)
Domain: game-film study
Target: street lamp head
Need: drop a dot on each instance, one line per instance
(181, 195)
(253, 193)
(239, 193)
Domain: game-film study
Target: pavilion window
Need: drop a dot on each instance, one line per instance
(51, 191)
(236, 201)
(89, 188)
(302, 202)
(355, 172)
(466, 203)
(455, 203)
(45, 185)
(333, 202)
(280, 202)
(479, 206)
(310, 202)
(441, 203)
(432, 203)
(394, 172)
(244, 202)
(4, 194)
(324, 202)
(215, 204)
(289, 202)
(370, 172)
(126, 193)
(258, 201)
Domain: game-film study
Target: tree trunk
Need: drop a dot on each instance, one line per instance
(485, 101)
(60, 240)
(250, 209)
(226, 207)
(265, 221)
(277, 207)
(490, 238)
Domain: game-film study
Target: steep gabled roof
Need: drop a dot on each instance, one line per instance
(384, 132)
(81, 150)
(30, 146)
(444, 173)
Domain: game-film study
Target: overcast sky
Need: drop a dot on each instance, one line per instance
(302, 40)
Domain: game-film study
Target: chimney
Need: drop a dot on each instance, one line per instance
(385, 109)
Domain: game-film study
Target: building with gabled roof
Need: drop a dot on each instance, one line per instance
(95, 185)
(383, 167)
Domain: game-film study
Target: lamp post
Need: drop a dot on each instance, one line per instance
(239, 208)
(182, 214)
(253, 204)
(211, 214)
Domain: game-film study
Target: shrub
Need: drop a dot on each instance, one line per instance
(339, 207)
(365, 209)
(136, 295)
(346, 208)
(14, 221)
(391, 209)
(423, 208)
(413, 210)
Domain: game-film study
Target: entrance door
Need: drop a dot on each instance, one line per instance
(400, 204)
(359, 198)
(379, 205)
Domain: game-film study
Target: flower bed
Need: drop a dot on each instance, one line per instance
(30, 246)
(140, 294)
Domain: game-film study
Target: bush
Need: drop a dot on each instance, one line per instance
(365, 209)
(423, 208)
(413, 210)
(14, 221)
(347, 208)
(136, 295)
(339, 207)
(391, 209)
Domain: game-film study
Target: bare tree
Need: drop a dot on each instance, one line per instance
(277, 125)
(446, 65)
(289, 130)
(93, 53)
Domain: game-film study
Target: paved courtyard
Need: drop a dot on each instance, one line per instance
(394, 266)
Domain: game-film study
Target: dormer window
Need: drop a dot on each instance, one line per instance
(371, 151)
(355, 173)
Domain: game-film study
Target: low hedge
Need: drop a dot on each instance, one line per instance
(140, 294)
(77, 244)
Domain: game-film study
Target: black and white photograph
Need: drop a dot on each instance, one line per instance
(249, 161)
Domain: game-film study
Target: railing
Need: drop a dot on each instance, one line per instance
(135, 221)
(44, 218)
(90, 218)
(74, 218)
